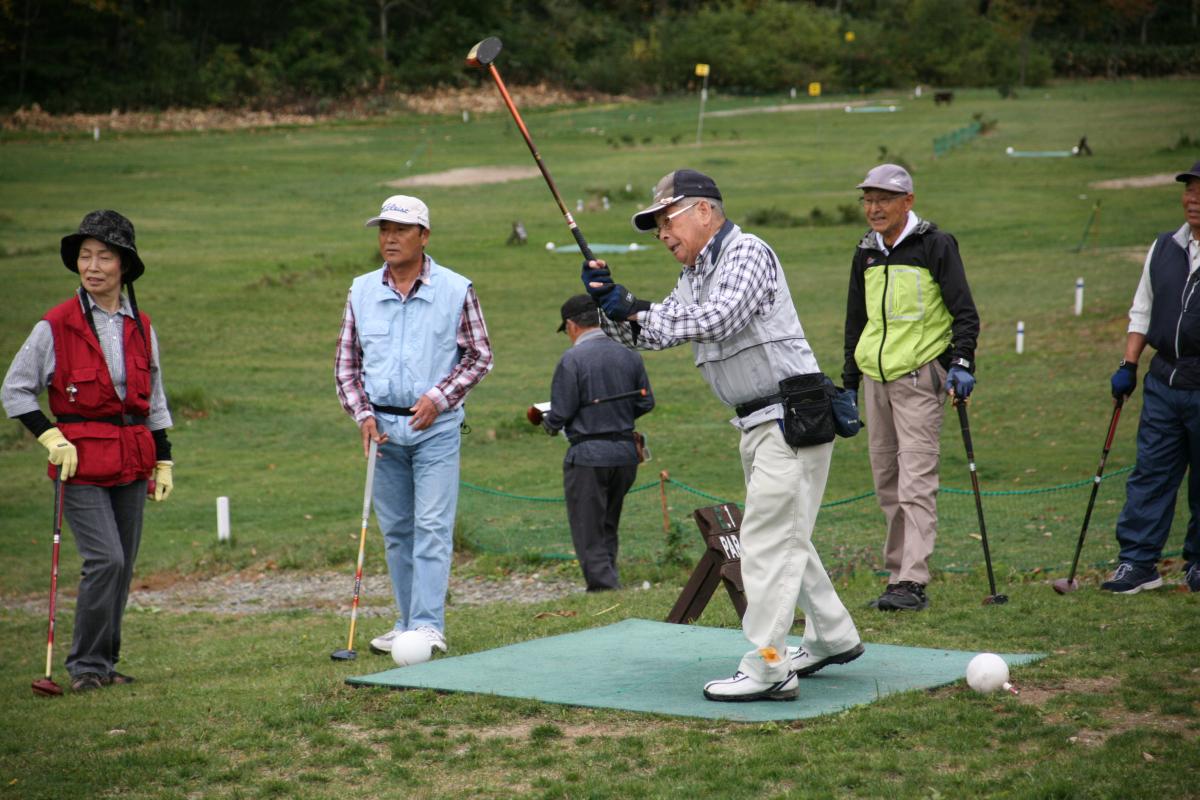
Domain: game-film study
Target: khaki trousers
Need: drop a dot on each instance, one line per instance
(780, 565)
(904, 427)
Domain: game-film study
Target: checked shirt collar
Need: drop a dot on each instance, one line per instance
(710, 254)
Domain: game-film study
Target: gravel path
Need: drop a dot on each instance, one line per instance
(261, 592)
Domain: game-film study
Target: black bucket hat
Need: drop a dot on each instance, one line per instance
(115, 231)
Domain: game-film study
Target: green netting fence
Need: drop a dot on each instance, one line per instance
(1028, 530)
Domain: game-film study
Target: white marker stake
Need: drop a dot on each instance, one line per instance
(1078, 296)
(1020, 337)
(95, 133)
(222, 519)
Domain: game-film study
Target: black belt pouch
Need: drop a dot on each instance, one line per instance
(808, 410)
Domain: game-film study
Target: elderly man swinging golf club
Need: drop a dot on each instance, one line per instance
(733, 305)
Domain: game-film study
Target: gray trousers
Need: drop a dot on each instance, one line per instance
(595, 496)
(107, 524)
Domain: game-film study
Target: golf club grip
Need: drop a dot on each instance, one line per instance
(966, 433)
(583, 245)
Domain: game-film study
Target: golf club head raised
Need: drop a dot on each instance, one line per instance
(46, 688)
(1064, 586)
(343, 655)
(484, 53)
(995, 600)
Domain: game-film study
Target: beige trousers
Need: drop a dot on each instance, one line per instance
(904, 427)
(780, 566)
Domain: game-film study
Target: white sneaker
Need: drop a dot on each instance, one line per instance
(382, 645)
(435, 638)
(742, 688)
(805, 663)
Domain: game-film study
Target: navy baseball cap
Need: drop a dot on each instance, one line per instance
(673, 187)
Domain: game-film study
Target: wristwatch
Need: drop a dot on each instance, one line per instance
(961, 362)
(1125, 364)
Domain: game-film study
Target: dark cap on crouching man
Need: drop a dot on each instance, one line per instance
(732, 305)
(96, 355)
(1168, 438)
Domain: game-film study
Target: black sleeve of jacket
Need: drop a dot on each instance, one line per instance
(856, 320)
(564, 397)
(956, 294)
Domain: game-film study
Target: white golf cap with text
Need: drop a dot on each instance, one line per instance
(402, 209)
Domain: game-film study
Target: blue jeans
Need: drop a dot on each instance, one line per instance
(1168, 443)
(416, 494)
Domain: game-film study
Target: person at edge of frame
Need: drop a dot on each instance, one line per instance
(732, 304)
(1163, 315)
(601, 463)
(911, 331)
(97, 357)
(412, 344)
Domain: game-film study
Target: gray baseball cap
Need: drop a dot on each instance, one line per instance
(673, 187)
(889, 178)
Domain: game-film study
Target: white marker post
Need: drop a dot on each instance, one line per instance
(222, 519)
(1078, 296)
(1020, 337)
(95, 133)
(701, 72)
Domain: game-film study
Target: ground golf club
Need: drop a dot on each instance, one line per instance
(46, 686)
(1068, 584)
(964, 423)
(348, 654)
(482, 55)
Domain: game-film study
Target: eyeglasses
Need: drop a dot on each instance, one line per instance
(882, 202)
(665, 223)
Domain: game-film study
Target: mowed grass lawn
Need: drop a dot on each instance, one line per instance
(251, 240)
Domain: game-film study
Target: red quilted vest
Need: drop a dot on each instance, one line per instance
(109, 454)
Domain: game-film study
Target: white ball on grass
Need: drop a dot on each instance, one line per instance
(411, 647)
(986, 673)
(549, 245)
(1009, 151)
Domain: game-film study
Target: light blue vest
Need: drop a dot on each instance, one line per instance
(408, 346)
(750, 364)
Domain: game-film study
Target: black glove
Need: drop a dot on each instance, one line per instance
(599, 275)
(1124, 380)
(620, 304)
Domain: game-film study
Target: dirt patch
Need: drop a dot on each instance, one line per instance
(468, 176)
(1117, 718)
(1137, 182)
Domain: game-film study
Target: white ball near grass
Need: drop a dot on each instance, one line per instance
(411, 647)
(549, 245)
(1009, 151)
(986, 673)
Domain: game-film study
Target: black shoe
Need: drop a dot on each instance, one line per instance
(875, 603)
(1191, 576)
(86, 681)
(907, 596)
(1129, 578)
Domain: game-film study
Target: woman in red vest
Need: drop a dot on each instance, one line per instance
(97, 356)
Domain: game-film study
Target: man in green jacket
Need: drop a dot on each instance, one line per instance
(911, 328)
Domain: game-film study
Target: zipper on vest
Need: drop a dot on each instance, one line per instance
(883, 313)
(1184, 299)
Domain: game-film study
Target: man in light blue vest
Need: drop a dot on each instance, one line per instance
(412, 345)
(733, 305)
(1164, 316)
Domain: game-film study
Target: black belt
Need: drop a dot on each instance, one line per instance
(399, 412)
(746, 409)
(122, 420)
(621, 436)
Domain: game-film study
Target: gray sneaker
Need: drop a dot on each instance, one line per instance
(907, 596)
(1129, 578)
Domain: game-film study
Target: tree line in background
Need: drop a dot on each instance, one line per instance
(96, 55)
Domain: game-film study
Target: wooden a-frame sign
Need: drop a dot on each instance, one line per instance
(721, 564)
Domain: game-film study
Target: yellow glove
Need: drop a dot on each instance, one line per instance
(163, 479)
(62, 452)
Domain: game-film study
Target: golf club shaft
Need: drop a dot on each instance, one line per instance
(537, 157)
(966, 434)
(362, 538)
(1087, 517)
(621, 396)
(58, 512)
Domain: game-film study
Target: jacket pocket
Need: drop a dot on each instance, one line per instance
(99, 447)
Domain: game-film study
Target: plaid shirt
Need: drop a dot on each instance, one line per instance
(745, 287)
(475, 360)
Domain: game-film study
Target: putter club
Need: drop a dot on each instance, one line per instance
(482, 55)
(621, 396)
(348, 654)
(46, 687)
(992, 599)
(1069, 584)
